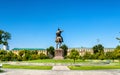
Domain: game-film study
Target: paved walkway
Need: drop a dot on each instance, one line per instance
(52, 72)
(60, 68)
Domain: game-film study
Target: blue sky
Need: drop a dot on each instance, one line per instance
(33, 23)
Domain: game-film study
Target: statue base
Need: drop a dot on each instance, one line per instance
(59, 54)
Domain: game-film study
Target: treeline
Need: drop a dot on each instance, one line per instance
(98, 53)
(23, 55)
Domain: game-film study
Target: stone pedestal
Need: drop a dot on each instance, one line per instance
(59, 54)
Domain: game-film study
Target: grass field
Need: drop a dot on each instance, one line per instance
(27, 67)
(59, 61)
(55, 61)
(99, 67)
(93, 67)
(84, 65)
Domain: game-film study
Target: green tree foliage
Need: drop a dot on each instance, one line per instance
(87, 55)
(34, 52)
(65, 48)
(34, 56)
(2, 54)
(7, 56)
(1, 36)
(101, 57)
(19, 58)
(4, 37)
(117, 52)
(21, 53)
(98, 51)
(43, 56)
(15, 57)
(95, 56)
(98, 48)
(30, 55)
(50, 52)
(27, 55)
(110, 55)
(74, 54)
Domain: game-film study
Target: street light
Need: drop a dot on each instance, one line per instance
(118, 39)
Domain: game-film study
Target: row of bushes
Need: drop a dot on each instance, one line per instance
(112, 55)
(22, 55)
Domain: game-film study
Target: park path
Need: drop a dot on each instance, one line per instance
(60, 72)
(60, 68)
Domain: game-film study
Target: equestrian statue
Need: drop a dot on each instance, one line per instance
(59, 38)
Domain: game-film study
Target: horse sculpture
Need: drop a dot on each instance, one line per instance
(59, 38)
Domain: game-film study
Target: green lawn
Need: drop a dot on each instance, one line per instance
(84, 65)
(112, 65)
(94, 67)
(27, 67)
(59, 61)
(54, 61)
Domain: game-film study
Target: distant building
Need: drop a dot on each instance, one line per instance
(40, 50)
(80, 50)
(83, 50)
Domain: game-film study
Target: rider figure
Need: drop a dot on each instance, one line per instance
(58, 34)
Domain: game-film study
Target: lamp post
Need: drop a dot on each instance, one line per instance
(97, 41)
(118, 39)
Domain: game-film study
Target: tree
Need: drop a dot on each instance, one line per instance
(101, 57)
(1, 36)
(65, 48)
(14, 57)
(42, 56)
(96, 56)
(74, 54)
(34, 57)
(110, 55)
(9, 56)
(50, 52)
(98, 48)
(27, 55)
(2, 54)
(35, 52)
(117, 52)
(21, 53)
(87, 55)
(6, 37)
(98, 51)
(19, 58)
